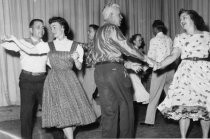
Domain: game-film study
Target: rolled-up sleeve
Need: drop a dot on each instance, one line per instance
(10, 46)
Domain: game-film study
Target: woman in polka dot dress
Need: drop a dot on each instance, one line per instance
(189, 93)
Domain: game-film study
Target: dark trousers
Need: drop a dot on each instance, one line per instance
(31, 88)
(114, 88)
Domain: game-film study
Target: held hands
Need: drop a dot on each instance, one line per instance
(134, 66)
(149, 61)
(157, 66)
(75, 56)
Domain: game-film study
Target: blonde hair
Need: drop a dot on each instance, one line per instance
(109, 9)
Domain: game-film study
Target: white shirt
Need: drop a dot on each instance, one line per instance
(28, 62)
(61, 45)
(160, 47)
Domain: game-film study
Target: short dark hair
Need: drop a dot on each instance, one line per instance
(95, 27)
(63, 23)
(33, 21)
(196, 18)
(133, 37)
(160, 26)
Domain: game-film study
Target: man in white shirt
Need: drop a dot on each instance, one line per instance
(160, 47)
(31, 78)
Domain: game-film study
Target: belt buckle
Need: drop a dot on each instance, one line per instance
(36, 74)
(195, 59)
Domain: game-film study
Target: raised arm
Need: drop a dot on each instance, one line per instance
(121, 42)
(176, 52)
(26, 47)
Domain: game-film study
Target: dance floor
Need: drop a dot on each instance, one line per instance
(10, 127)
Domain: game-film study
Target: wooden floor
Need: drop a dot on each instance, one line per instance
(162, 129)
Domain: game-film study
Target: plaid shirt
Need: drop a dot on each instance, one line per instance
(88, 47)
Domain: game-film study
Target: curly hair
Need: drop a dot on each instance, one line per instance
(95, 27)
(133, 37)
(109, 9)
(196, 18)
(63, 23)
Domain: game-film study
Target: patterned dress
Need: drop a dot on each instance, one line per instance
(189, 92)
(64, 101)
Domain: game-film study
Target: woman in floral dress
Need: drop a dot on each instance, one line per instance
(189, 93)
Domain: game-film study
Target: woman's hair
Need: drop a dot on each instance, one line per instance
(196, 18)
(63, 23)
(133, 37)
(95, 27)
(160, 26)
(45, 36)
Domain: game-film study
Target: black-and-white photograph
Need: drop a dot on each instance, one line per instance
(92, 69)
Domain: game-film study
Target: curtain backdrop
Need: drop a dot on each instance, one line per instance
(15, 16)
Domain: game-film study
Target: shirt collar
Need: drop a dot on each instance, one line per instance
(35, 40)
(64, 39)
(160, 34)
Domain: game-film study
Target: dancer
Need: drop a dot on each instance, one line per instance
(112, 80)
(32, 76)
(65, 104)
(189, 93)
(140, 93)
(160, 47)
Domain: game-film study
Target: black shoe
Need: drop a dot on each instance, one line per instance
(145, 124)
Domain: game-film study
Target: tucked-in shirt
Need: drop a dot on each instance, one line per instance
(110, 44)
(62, 45)
(160, 47)
(28, 62)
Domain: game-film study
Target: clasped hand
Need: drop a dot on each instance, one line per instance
(75, 55)
(7, 38)
(157, 66)
(134, 66)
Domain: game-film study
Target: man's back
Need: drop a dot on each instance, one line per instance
(160, 47)
(107, 49)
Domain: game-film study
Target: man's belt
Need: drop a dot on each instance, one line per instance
(196, 59)
(33, 73)
(89, 66)
(109, 62)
